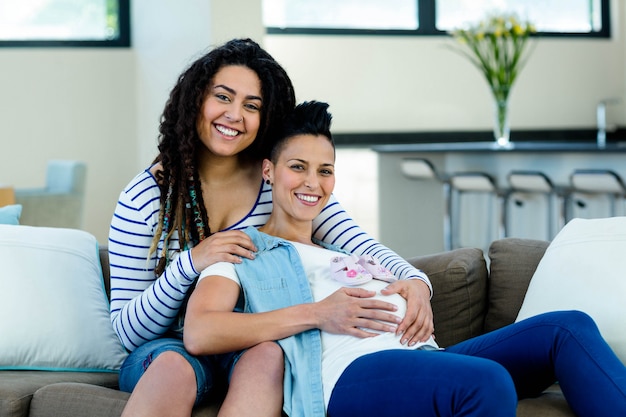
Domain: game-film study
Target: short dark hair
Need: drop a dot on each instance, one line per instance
(307, 118)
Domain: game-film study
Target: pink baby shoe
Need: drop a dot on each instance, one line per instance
(371, 265)
(347, 270)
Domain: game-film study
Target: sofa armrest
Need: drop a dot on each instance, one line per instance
(459, 303)
(513, 262)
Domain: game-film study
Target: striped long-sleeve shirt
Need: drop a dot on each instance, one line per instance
(145, 307)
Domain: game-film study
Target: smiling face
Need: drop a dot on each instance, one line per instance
(231, 112)
(303, 177)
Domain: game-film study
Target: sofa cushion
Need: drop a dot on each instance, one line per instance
(459, 280)
(512, 264)
(10, 214)
(71, 399)
(551, 403)
(583, 269)
(17, 387)
(76, 399)
(52, 298)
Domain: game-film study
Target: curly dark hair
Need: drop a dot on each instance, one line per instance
(182, 202)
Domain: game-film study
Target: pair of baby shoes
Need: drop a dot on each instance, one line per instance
(356, 270)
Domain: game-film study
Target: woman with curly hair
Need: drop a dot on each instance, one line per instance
(187, 212)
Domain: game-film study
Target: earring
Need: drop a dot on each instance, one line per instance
(267, 181)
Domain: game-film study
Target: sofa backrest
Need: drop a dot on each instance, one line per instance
(459, 302)
(66, 177)
(513, 262)
(106, 273)
(468, 299)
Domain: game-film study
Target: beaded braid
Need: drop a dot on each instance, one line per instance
(200, 217)
(164, 228)
(187, 233)
(196, 228)
(190, 218)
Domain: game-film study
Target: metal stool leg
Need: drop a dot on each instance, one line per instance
(423, 169)
(535, 182)
(474, 182)
(447, 226)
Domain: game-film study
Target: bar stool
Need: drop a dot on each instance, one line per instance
(423, 169)
(478, 183)
(586, 183)
(524, 185)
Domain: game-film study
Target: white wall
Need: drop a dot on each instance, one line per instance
(391, 83)
(102, 105)
(166, 39)
(69, 104)
(169, 36)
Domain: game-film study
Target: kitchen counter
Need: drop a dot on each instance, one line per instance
(572, 136)
(411, 211)
(535, 146)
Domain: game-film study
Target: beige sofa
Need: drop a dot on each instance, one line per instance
(469, 300)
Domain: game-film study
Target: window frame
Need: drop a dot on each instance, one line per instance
(426, 10)
(123, 40)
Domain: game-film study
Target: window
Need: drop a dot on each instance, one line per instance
(65, 23)
(563, 16)
(342, 14)
(588, 18)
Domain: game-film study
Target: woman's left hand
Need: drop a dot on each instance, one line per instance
(417, 325)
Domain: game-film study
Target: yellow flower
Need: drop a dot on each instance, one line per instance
(496, 46)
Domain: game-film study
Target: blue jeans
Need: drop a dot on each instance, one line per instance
(486, 375)
(208, 369)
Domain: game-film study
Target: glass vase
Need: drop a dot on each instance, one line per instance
(501, 128)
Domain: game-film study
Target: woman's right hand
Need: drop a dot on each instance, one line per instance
(229, 246)
(352, 311)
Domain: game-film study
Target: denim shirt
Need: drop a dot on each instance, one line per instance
(276, 279)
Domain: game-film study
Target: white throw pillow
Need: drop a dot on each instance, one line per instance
(584, 268)
(54, 309)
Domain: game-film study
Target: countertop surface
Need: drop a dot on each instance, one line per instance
(538, 146)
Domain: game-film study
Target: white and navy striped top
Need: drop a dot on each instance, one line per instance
(144, 307)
